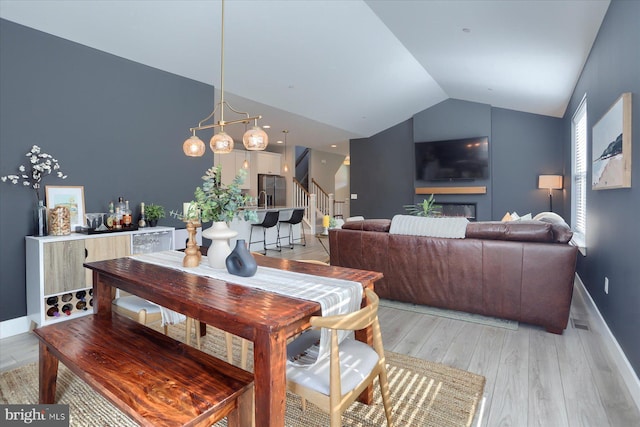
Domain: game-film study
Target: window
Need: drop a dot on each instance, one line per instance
(579, 175)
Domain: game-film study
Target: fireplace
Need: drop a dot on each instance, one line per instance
(467, 210)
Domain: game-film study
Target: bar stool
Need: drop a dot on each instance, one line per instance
(270, 220)
(296, 218)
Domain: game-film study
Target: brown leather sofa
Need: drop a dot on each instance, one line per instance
(521, 271)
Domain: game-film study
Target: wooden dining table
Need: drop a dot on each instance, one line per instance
(265, 318)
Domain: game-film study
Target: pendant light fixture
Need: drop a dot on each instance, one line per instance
(253, 139)
(286, 166)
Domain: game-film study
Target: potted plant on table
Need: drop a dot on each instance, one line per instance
(220, 204)
(153, 213)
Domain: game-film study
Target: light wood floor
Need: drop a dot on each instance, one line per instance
(533, 378)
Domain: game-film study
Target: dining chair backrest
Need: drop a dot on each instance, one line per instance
(351, 366)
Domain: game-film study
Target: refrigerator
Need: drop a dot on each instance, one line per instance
(272, 188)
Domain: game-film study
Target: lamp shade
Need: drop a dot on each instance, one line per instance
(551, 182)
(193, 147)
(326, 220)
(255, 139)
(221, 143)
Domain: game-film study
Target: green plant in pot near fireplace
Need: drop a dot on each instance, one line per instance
(428, 207)
(153, 213)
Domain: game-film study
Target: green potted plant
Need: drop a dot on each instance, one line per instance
(221, 204)
(153, 213)
(426, 208)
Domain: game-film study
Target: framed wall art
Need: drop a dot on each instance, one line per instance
(72, 198)
(611, 147)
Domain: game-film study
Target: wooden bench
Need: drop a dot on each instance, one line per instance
(154, 379)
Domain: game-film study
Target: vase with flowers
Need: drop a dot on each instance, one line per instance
(220, 204)
(40, 164)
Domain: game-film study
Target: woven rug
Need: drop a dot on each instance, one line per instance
(423, 394)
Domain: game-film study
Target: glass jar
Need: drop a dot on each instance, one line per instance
(59, 221)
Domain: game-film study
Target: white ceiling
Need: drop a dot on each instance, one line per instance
(330, 70)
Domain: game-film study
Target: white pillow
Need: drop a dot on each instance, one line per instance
(550, 217)
(516, 217)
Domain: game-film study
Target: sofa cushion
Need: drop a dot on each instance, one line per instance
(522, 231)
(381, 225)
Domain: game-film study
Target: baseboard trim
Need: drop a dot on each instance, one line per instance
(629, 376)
(16, 326)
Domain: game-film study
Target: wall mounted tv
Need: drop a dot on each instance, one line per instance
(452, 160)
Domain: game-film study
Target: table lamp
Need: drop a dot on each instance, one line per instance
(550, 182)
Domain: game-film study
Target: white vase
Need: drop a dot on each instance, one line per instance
(219, 233)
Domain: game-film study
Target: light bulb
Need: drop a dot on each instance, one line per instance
(255, 139)
(221, 143)
(193, 147)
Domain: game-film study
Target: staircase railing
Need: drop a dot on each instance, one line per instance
(325, 200)
(302, 198)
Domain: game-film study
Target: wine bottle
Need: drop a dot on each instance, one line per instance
(142, 221)
(67, 308)
(126, 215)
(117, 223)
(81, 305)
(52, 300)
(111, 219)
(67, 297)
(53, 312)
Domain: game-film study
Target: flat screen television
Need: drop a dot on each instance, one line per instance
(452, 160)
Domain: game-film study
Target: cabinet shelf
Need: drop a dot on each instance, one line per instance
(54, 267)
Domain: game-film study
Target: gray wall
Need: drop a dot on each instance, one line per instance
(522, 146)
(382, 172)
(613, 232)
(115, 126)
(454, 119)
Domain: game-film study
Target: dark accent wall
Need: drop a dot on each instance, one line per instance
(115, 126)
(522, 146)
(383, 175)
(613, 233)
(454, 119)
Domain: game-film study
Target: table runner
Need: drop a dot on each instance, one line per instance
(335, 296)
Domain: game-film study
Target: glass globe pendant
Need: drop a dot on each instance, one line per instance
(193, 147)
(221, 143)
(255, 139)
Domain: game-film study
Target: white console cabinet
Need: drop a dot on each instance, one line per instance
(59, 287)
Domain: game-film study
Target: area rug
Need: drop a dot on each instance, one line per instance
(423, 394)
(451, 314)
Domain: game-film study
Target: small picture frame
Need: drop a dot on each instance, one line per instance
(611, 147)
(71, 197)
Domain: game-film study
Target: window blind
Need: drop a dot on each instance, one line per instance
(579, 166)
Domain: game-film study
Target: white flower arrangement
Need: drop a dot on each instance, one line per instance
(39, 164)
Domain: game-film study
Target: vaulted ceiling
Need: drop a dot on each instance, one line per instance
(330, 70)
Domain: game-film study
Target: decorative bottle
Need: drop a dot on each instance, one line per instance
(142, 221)
(117, 223)
(126, 215)
(111, 219)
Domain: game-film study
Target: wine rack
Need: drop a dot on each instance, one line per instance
(68, 304)
(59, 287)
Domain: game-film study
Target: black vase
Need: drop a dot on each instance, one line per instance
(240, 262)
